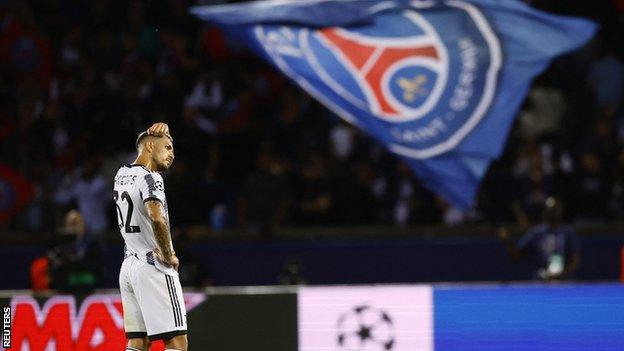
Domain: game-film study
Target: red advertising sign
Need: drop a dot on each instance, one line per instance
(61, 325)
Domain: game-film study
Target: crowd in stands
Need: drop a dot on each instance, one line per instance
(80, 79)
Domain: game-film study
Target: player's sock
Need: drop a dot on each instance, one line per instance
(129, 348)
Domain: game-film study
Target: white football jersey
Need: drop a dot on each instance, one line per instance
(134, 185)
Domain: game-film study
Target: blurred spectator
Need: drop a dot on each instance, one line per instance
(291, 273)
(543, 113)
(552, 248)
(76, 263)
(561, 180)
(402, 192)
(342, 140)
(314, 199)
(40, 275)
(23, 46)
(606, 76)
(265, 196)
(92, 195)
(593, 188)
(532, 193)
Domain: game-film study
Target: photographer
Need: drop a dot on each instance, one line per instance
(553, 248)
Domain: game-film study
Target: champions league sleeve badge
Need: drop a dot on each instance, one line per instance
(436, 82)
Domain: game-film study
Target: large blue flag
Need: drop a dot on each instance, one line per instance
(437, 82)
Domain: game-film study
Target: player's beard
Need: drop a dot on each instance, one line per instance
(162, 166)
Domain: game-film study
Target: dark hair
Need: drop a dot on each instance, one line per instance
(143, 135)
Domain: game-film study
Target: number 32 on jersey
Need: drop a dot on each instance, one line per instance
(125, 201)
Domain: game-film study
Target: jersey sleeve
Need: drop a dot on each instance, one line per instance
(152, 188)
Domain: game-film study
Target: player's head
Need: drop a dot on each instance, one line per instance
(74, 223)
(159, 150)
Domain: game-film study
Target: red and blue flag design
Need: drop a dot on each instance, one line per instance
(438, 83)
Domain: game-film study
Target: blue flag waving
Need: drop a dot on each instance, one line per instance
(436, 82)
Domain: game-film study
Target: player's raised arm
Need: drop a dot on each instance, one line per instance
(164, 251)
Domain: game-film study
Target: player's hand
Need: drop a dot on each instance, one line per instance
(174, 262)
(170, 261)
(158, 129)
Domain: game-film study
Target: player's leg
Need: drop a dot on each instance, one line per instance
(177, 343)
(134, 326)
(162, 304)
(138, 344)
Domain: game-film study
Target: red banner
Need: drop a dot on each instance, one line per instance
(61, 324)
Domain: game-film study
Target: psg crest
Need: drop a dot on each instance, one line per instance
(420, 81)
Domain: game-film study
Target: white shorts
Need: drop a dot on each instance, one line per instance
(152, 301)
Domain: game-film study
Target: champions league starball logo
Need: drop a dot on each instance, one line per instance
(419, 79)
(365, 328)
(159, 185)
